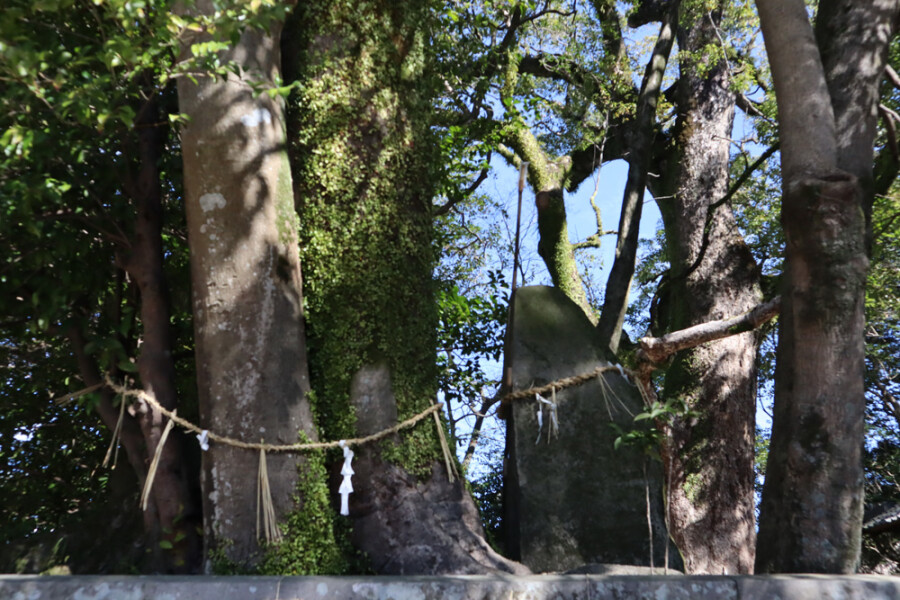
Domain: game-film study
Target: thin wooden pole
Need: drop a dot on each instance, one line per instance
(507, 377)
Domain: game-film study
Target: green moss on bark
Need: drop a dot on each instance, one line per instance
(311, 545)
(363, 169)
(287, 222)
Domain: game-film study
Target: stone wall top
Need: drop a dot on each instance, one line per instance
(472, 587)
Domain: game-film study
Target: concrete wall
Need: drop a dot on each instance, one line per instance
(538, 587)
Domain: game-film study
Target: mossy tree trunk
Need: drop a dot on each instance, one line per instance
(551, 176)
(247, 303)
(827, 89)
(364, 173)
(709, 456)
(548, 178)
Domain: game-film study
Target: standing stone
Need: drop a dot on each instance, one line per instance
(575, 500)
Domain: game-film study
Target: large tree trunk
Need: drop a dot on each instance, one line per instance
(811, 511)
(363, 157)
(709, 456)
(245, 271)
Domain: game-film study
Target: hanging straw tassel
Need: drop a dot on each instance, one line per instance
(445, 448)
(264, 507)
(608, 393)
(151, 473)
(114, 442)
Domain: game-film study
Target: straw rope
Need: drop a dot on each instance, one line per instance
(221, 439)
(559, 384)
(565, 382)
(265, 509)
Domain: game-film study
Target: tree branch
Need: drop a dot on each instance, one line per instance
(658, 350)
(647, 11)
(486, 404)
(892, 76)
(618, 285)
(554, 66)
(885, 171)
(611, 31)
(749, 107)
(890, 119)
(546, 11)
(593, 240)
(586, 160)
(445, 208)
(805, 114)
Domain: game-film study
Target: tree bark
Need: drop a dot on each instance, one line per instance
(708, 456)
(177, 506)
(411, 524)
(857, 34)
(362, 154)
(811, 510)
(247, 302)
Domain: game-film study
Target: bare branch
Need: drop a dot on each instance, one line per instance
(657, 350)
(547, 11)
(593, 240)
(890, 118)
(486, 404)
(892, 76)
(749, 107)
(445, 208)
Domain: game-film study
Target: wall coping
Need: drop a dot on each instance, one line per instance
(455, 587)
